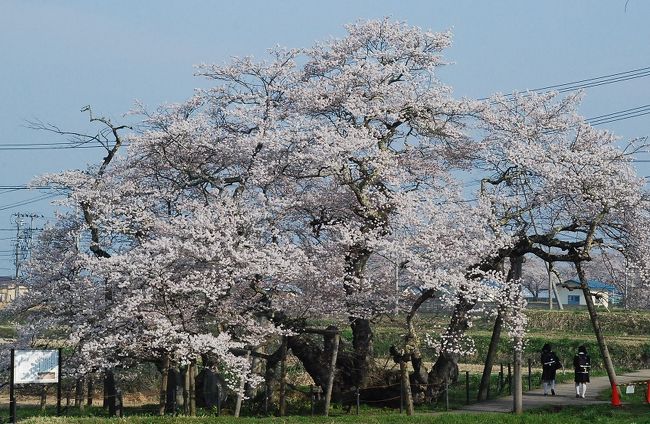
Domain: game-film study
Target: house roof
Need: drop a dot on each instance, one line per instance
(593, 285)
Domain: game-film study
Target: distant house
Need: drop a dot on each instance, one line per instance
(8, 290)
(571, 294)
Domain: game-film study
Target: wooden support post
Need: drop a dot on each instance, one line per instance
(359, 399)
(12, 393)
(509, 379)
(186, 390)
(58, 386)
(332, 370)
(79, 394)
(91, 389)
(164, 380)
(283, 379)
(240, 391)
(191, 370)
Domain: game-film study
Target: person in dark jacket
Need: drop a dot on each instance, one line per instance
(550, 364)
(581, 365)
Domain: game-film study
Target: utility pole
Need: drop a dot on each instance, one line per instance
(23, 243)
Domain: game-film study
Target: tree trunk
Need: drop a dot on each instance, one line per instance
(445, 369)
(356, 261)
(269, 376)
(164, 378)
(406, 386)
(332, 370)
(484, 388)
(240, 392)
(362, 344)
(517, 388)
(255, 368)
(79, 394)
(411, 352)
(191, 386)
(604, 352)
(110, 392)
(186, 390)
(283, 379)
(91, 389)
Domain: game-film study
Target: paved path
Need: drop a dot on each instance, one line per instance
(566, 394)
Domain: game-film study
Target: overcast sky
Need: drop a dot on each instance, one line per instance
(58, 56)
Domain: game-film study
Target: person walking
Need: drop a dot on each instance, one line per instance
(550, 364)
(581, 365)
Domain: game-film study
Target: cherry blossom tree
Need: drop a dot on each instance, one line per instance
(331, 147)
(293, 188)
(560, 186)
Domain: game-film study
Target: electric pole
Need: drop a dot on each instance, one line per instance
(24, 231)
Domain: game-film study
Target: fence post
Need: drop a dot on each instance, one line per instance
(529, 372)
(12, 393)
(509, 380)
(58, 386)
(467, 387)
(358, 400)
(401, 397)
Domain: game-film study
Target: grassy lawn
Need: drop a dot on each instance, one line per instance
(601, 414)
(634, 410)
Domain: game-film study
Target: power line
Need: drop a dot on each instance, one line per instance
(562, 88)
(637, 73)
(27, 202)
(608, 115)
(589, 82)
(30, 147)
(13, 189)
(620, 115)
(65, 145)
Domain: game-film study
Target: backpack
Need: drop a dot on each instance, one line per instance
(583, 362)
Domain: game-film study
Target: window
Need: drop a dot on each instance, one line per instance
(573, 299)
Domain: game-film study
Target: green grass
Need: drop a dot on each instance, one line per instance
(599, 414)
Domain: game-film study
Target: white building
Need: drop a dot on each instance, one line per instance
(571, 294)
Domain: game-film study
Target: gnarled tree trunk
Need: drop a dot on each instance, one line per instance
(445, 369)
(595, 323)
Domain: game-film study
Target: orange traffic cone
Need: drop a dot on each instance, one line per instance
(647, 393)
(616, 399)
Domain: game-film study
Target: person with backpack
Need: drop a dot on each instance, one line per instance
(581, 365)
(550, 364)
